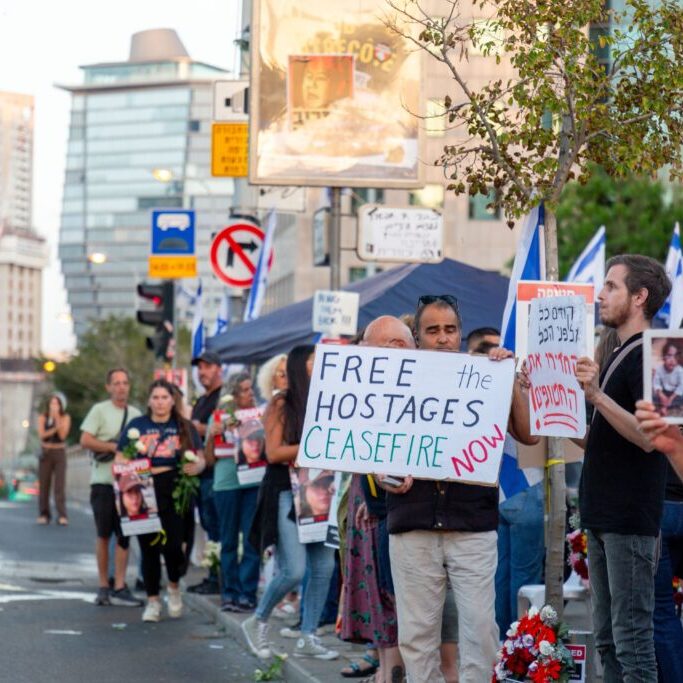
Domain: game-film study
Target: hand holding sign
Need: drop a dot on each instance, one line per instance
(587, 374)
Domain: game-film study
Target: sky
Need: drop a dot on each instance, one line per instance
(43, 43)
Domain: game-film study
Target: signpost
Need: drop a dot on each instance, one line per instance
(172, 251)
(234, 253)
(407, 234)
(229, 150)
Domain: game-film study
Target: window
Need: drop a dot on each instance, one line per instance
(365, 195)
(479, 209)
(193, 126)
(360, 273)
(430, 196)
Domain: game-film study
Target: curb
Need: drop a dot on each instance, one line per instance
(291, 669)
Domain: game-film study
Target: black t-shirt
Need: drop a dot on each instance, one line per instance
(622, 486)
(202, 411)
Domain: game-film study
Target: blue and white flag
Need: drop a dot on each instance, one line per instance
(257, 293)
(197, 333)
(590, 266)
(223, 315)
(529, 265)
(672, 310)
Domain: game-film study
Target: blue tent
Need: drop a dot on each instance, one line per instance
(480, 293)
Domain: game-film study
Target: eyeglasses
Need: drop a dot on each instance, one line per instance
(280, 373)
(427, 299)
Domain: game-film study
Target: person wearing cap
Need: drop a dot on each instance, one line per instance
(132, 500)
(236, 502)
(208, 364)
(53, 427)
(252, 442)
(316, 493)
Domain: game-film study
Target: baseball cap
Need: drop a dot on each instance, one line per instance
(251, 429)
(210, 357)
(129, 481)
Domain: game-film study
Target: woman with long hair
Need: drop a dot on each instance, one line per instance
(275, 523)
(271, 378)
(165, 435)
(53, 427)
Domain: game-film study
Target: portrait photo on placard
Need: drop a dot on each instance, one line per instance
(663, 372)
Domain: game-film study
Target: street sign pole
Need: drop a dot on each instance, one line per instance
(335, 240)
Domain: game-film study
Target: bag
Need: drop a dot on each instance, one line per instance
(108, 456)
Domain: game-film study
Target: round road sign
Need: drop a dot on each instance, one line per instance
(235, 252)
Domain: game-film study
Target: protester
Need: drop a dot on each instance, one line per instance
(275, 524)
(209, 371)
(489, 335)
(622, 483)
(100, 432)
(451, 527)
(272, 377)
(165, 436)
(236, 505)
(53, 428)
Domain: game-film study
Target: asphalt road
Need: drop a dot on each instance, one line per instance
(50, 630)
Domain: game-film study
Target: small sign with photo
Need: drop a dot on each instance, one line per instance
(251, 452)
(136, 501)
(313, 491)
(663, 372)
(224, 443)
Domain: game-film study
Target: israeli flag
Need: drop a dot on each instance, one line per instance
(529, 265)
(223, 316)
(257, 293)
(590, 266)
(197, 333)
(671, 312)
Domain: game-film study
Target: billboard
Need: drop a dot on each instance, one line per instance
(334, 96)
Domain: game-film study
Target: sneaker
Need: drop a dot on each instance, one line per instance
(228, 605)
(295, 631)
(310, 646)
(206, 587)
(245, 605)
(175, 603)
(285, 610)
(124, 598)
(256, 635)
(152, 612)
(102, 597)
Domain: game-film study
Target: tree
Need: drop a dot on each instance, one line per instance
(563, 110)
(634, 211)
(109, 343)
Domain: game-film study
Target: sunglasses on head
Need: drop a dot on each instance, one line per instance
(427, 299)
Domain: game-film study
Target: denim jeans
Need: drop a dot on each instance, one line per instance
(236, 513)
(293, 560)
(208, 515)
(622, 569)
(521, 549)
(668, 631)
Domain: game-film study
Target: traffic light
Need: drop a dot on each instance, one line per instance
(160, 317)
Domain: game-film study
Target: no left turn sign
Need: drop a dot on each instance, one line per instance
(235, 252)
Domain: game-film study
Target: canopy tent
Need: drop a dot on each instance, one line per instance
(480, 293)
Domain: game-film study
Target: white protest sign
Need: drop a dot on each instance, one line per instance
(429, 414)
(335, 313)
(557, 330)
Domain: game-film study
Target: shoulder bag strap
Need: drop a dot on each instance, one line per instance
(123, 422)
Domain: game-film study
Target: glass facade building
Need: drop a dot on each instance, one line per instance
(128, 119)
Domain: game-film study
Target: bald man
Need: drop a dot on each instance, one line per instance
(388, 332)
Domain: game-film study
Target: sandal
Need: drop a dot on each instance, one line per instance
(63, 521)
(42, 520)
(355, 670)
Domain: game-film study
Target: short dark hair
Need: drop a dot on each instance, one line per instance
(440, 301)
(113, 371)
(643, 272)
(476, 336)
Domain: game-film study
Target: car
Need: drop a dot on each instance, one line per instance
(179, 221)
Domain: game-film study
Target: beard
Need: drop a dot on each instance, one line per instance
(617, 316)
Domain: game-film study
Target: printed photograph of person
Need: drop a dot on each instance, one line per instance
(315, 493)
(667, 377)
(314, 83)
(132, 500)
(252, 444)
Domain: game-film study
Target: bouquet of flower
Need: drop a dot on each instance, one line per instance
(187, 485)
(534, 650)
(134, 447)
(212, 556)
(578, 548)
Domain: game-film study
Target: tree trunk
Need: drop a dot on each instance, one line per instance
(556, 503)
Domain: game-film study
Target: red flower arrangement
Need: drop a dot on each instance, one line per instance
(578, 548)
(534, 650)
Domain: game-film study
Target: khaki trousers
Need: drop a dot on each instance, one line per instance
(421, 564)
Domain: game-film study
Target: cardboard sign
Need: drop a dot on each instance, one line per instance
(312, 490)
(578, 653)
(251, 452)
(557, 329)
(335, 313)
(428, 414)
(136, 502)
(663, 373)
(225, 442)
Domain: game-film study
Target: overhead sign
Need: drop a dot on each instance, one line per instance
(532, 289)
(172, 252)
(230, 100)
(335, 313)
(396, 411)
(235, 252)
(230, 150)
(407, 234)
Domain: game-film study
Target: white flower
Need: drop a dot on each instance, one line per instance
(533, 611)
(527, 640)
(133, 433)
(512, 631)
(189, 456)
(548, 615)
(500, 671)
(228, 398)
(140, 447)
(546, 648)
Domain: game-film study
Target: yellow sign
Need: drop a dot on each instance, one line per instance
(230, 150)
(171, 267)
